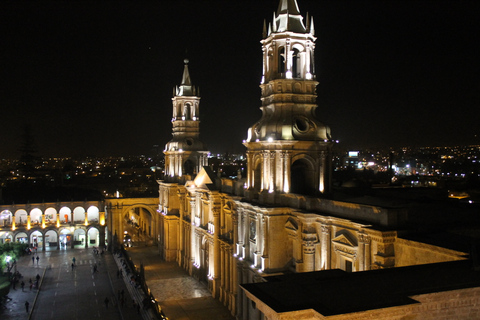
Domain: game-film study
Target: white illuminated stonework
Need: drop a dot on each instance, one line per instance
(185, 154)
(289, 149)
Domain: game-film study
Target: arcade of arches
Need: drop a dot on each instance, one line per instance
(62, 225)
(58, 225)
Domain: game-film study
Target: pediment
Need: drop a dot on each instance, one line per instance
(344, 240)
(291, 224)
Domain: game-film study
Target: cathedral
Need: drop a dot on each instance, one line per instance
(280, 218)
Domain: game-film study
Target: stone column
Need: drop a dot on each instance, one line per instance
(288, 178)
(215, 207)
(43, 240)
(222, 274)
(180, 236)
(326, 245)
(193, 238)
(86, 238)
(361, 252)
(250, 170)
(266, 171)
(308, 256)
(368, 257)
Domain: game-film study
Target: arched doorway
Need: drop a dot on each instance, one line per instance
(51, 240)
(79, 238)
(139, 225)
(21, 237)
(204, 265)
(302, 178)
(6, 237)
(93, 237)
(65, 238)
(36, 239)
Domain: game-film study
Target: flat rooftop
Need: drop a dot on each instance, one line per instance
(334, 292)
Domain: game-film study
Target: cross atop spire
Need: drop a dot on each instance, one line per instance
(288, 17)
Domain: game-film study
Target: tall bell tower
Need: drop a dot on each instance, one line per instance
(185, 154)
(289, 149)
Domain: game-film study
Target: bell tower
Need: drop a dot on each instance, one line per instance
(289, 149)
(185, 154)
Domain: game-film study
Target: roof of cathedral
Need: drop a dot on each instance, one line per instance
(334, 292)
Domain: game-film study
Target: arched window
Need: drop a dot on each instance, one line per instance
(257, 177)
(186, 111)
(296, 65)
(302, 178)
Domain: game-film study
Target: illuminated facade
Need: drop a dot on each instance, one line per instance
(289, 149)
(185, 154)
(54, 226)
(227, 232)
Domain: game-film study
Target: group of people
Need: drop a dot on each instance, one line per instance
(96, 251)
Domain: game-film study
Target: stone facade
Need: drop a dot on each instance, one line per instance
(227, 233)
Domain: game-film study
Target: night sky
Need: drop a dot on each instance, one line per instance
(96, 78)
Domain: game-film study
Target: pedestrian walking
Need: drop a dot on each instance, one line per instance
(38, 277)
(106, 302)
(27, 305)
(73, 266)
(37, 260)
(73, 260)
(22, 285)
(33, 259)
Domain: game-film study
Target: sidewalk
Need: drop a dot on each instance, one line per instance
(180, 296)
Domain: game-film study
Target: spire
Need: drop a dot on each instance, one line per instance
(286, 6)
(264, 28)
(288, 17)
(312, 27)
(186, 88)
(307, 19)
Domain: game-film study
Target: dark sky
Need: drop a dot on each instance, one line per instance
(96, 78)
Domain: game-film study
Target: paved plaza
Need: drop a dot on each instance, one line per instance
(180, 296)
(80, 293)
